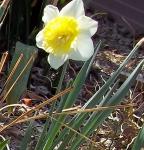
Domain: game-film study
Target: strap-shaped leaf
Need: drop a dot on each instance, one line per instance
(139, 141)
(78, 120)
(27, 137)
(97, 118)
(3, 144)
(3, 8)
(18, 82)
(42, 139)
(78, 83)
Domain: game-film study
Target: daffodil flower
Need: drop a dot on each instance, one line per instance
(67, 33)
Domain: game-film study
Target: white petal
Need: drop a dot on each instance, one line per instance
(75, 9)
(88, 24)
(84, 48)
(50, 12)
(56, 61)
(39, 39)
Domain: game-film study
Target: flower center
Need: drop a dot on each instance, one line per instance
(59, 34)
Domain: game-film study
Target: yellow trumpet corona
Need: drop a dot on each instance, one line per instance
(59, 34)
